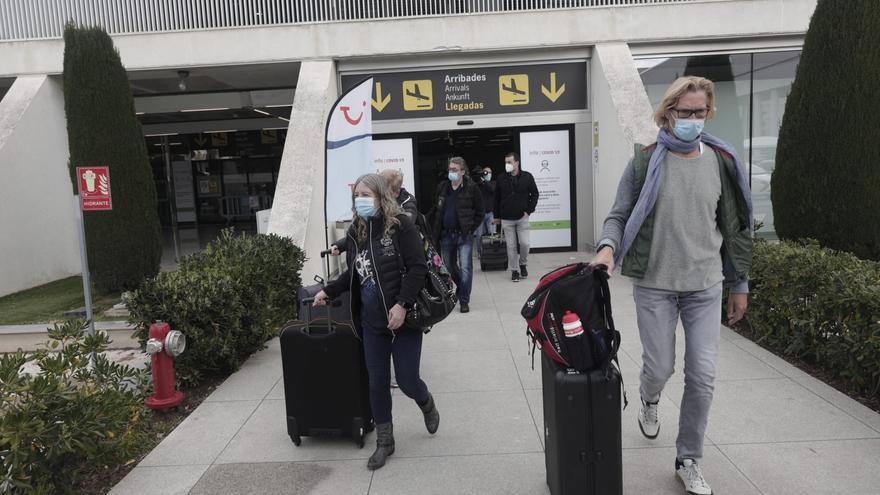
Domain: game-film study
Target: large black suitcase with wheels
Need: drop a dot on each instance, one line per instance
(493, 253)
(582, 439)
(325, 379)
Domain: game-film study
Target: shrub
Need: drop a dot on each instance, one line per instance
(69, 415)
(228, 300)
(124, 245)
(821, 306)
(826, 184)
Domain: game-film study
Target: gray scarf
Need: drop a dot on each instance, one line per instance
(667, 141)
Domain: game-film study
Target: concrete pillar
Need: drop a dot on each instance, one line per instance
(622, 113)
(298, 207)
(37, 216)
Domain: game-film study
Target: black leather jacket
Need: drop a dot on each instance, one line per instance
(398, 262)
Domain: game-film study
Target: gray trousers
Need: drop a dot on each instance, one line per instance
(513, 230)
(658, 312)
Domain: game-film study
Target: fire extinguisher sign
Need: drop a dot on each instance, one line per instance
(94, 188)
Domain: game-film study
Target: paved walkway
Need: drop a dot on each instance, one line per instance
(773, 430)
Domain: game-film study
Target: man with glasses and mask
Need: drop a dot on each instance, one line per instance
(681, 226)
(457, 213)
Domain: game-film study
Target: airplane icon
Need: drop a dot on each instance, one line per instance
(512, 88)
(417, 93)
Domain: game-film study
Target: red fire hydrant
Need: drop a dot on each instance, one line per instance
(164, 345)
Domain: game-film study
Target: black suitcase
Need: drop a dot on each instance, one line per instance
(493, 253)
(582, 439)
(325, 379)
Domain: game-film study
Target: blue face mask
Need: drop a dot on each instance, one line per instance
(365, 207)
(688, 129)
(453, 176)
(487, 177)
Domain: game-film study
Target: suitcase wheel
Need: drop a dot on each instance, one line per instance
(358, 431)
(293, 431)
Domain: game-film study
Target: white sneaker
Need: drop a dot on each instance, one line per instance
(649, 419)
(689, 473)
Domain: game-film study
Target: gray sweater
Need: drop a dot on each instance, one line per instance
(686, 246)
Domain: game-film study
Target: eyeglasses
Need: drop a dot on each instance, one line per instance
(685, 113)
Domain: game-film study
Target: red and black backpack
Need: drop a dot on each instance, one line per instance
(573, 292)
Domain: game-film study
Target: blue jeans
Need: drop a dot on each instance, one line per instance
(485, 227)
(658, 312)
(406, 347)
(456, 249)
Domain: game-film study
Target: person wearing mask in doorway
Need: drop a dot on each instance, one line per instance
(487, 190)
(516, 198)
(457, 212)
(386, 270)
(681, 225)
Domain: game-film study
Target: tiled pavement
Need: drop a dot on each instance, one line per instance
(773, 428)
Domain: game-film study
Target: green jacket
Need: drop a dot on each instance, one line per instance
(732, 216)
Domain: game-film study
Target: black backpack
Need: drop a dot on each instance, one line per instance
(573, 292)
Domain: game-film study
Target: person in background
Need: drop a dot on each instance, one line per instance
(682, 234)
(405, 199)
(516, 198)
(457, 212)
(380, 239)
(487, 190)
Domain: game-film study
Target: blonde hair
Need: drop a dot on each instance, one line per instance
(394, 178)
(678, 88)
(388, 207)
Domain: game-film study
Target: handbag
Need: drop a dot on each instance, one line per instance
(433, 303)
(437, 298)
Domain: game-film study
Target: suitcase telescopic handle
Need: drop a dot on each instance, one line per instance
(332, 303)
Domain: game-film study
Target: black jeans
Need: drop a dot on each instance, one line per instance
(406, 347)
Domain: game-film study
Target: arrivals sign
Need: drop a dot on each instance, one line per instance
(94, 188)
(477, 91)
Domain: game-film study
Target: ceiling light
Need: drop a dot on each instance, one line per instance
(203, 109)
(182, 75)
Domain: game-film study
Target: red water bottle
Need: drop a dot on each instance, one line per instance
(571, 324)
(576, 343)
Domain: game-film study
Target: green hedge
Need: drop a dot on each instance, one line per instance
(819, 305)
(68, 417)
(228, 300)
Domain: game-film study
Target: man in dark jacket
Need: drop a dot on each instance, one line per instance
(457, 213)
(516, 198)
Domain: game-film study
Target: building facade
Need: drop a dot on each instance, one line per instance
(233, 96)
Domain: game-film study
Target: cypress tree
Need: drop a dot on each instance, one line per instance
(124, 245)
(826, 184)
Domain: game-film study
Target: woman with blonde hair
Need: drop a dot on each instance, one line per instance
(386, 270)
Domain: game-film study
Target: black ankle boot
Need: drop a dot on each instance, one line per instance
(432, 416)
(384, 446)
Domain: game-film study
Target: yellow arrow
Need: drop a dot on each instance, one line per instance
(381, 103)
(553, 93)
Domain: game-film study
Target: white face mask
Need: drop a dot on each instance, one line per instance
(508, 167)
